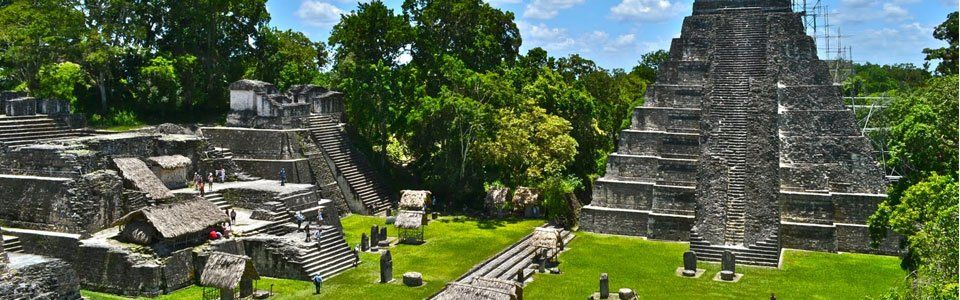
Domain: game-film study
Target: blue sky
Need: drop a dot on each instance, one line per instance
(614, 33)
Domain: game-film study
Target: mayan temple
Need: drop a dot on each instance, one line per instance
(743, 144)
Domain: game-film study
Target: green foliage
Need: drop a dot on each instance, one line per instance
(922, 206)
(871, 79)
(160, 87)
(946, 31)
(649, 64)
(558, 199)
(58, 81)
(115, 118)
(37, 33)
(286, 58)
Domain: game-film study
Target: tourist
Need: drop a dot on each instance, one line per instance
(298, 217)
(196, 181)
(283, 176)
(226, 231)
(210, 180)
(320, 217)
(317, 282)
(317, 236)
(214, 234)
(772, 297)
(223, 174)
(226, 211)
(306, 231)
(201, 188)
(233, 216)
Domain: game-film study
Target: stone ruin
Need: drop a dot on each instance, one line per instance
(258, 104)
(743, 144)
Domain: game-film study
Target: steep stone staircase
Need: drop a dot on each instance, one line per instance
(363, 182)
(12, 244)
(740, 59)
(329, 256)
(25, 130)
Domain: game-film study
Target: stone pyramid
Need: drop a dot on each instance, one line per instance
(743, 144)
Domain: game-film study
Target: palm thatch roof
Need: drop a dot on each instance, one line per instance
(224, 270)
(497, 197)
(546, 238)
(507, 286)
(409, 219)
(526, 196)
(176, 219)
(459, 291)
(137, 172)
(414, 200)
(170, 161)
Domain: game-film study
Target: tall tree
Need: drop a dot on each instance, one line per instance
(368, 43)
(36, 33)
(286, 57)
(947, 31)
(471, 31)
(649, 64)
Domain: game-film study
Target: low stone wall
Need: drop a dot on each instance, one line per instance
(298, 170)
(613, 221)
(248, 198)
(63, 246)
(270, 143)
(179, 271)
(856, 238)
(118, 271)
(26, 106)
(37, 277)
(808, 236)
(273, 257)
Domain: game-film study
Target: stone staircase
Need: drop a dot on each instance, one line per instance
(217, 198)
(739, 60)
(279, 216)
(363, 182)
(516, 258)
(12, 244)
(26, 130)
(328, 256)
(765, 253)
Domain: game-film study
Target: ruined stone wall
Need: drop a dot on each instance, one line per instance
(115, 271)
(274, 257)
(44, 278)
(179, 271)
(85, 205)
(58, 245)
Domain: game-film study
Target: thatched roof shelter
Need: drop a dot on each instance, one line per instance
(507, 286)
(458, 291)
(409, 219)
(414, 200)
(170, 161)
(548, 238)
(525, 196)
(137, 172)
(177, 219)
(224, 270)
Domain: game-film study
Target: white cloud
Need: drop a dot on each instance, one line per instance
(893, 11)
(900, 43)
(319, 13)
(646, 10)
(547, 9)
(504, 1)
(541, 35)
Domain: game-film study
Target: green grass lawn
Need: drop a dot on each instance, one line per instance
(648, 267)
(453, 246)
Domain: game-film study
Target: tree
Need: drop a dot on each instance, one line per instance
(922, 206)
(472, 31)
(872, 79)
(649, 64)
(946, 31)
(58, 81)
(287, 57)
(37, 33)
(160, 86)
(368, 42)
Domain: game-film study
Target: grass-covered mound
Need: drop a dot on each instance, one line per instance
(648, 268)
